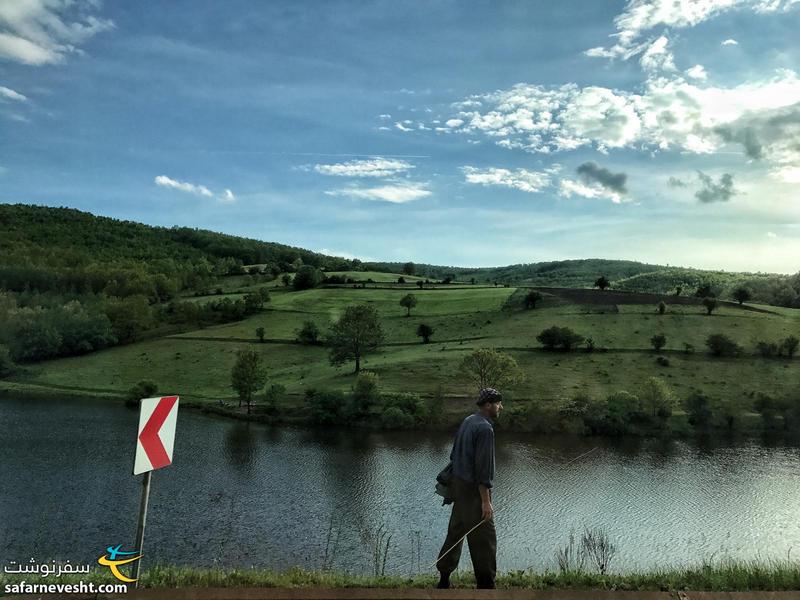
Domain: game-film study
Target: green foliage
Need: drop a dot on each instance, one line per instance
(602, 282)
(399, 411)
(658, 341)
(487, 367)
(260, 331)
(143, 389)
(327, 408)
(366, 393)
(248, 375)
(425, 332)
(286, 279)
(309, 333)
(622, 410)
(357, 332)
(531, 298)
(272, 396)
(767, 349)
(720, 344)
(741, 294)
(436, 406)
(307, 277)
(656, 397)
(563, 338)
(409, 268)
(710, 304)
(662, 308)
(789, 346)
(408, 302)
(769, 408)
(699, 410)
(7, 366)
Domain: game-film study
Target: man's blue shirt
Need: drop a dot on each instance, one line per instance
(473, 450)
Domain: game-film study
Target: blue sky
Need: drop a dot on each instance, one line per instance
(458, 133)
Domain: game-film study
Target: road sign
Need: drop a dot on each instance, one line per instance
(156, 438)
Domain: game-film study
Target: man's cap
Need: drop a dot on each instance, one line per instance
(489, 395)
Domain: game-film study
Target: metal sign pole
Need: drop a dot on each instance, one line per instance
(140, 527)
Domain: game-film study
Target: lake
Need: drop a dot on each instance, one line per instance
(245, 494)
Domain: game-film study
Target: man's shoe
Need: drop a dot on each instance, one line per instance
(444, 582)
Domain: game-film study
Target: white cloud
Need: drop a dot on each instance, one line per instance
(787, 174)
(10, 94)
(729, 42)
(772, 235)
(402, 127)
(642, 16)
(38, 32)
(697, 72)
(569, 188)
(657, 57)
(226, 196)
(454, 122)
(520, 179)
(395, 193)
(373, 167)
(384, 116)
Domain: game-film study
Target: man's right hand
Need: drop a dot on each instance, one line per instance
(488, 511)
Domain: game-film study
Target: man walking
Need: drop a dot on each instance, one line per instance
(471, 485)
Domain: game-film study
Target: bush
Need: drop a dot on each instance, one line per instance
(663, 361)
(143, 389)
(720, 344)
(308, 334)
(392, 417)
(7, 366)
(789, 346)
(402, 410)
(662, 308)
(272, 396)
(326, 408)
(710, 304)
(769, 408)
(307, 277)
(658, 341)
(425, 332)
(365, 394)
(559, 337)
(623, 410)
(698, 409)
(436, 406)
(767, 349)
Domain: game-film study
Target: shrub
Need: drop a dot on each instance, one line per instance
(769, 408)
(623, 409)
(559, 337)
(425, 332)
(657, 398)
(658, 341)
(710, 304)
(392, 417)
(663, 361)
(260, 334)
(532, 298)
(309, 333)
(589, 344)
(307, 277)
(366, 393)
(698, 409)
(720, 344)
(6, 363)
(272, 396)
(789, 346)
(326, 408)
(767, 349)
(143, 389)
(662, 308)
(402, 410)
(436, 406)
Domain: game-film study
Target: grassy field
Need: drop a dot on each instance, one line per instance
(197, 364)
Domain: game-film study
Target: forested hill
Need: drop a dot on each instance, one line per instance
(64, 237)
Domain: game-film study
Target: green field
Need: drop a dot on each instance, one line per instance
(197, 364)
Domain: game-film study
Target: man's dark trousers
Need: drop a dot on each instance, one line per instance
(467, 512)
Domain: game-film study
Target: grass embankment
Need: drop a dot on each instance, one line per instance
(197, 364)
(727, 576)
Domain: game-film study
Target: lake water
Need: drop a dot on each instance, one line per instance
(242, 494)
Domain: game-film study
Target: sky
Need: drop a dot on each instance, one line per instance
(437, 131)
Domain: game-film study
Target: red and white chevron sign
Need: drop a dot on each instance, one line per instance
(156, 439)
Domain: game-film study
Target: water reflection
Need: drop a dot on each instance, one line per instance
(240, 447)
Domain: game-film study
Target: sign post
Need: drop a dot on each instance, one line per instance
(154, 445)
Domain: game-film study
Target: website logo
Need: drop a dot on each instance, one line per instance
(113, 562)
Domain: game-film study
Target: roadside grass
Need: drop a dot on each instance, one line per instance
(773, 575)
(197, 364)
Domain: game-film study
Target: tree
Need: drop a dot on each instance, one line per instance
(408, 302)
(365, 394)
(720, 344)
(6, 363)
(425, 332)
(286, 279)
(704, 290)
(662, 308)
(143, 389)
(307, 277)
(698, 407)
(308, 334)
(247, 376)
(357, 332)
(409, 268)
(532, 298)
(260, 334)
(710, 304)
(658, 341)
(420, 283)
(657, 398)
(789, 346)
(602, 282)
(487, 367)
(741, 294)
(401, 279)
(678, 290)
(559, 337)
